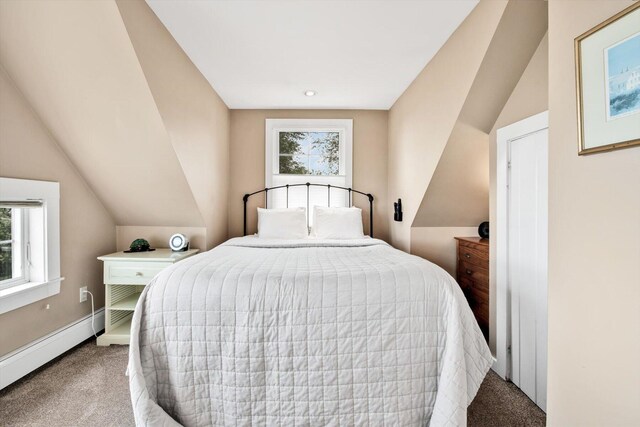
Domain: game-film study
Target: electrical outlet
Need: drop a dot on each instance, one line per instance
(83, 294)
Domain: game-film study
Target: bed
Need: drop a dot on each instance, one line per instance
(304, 332)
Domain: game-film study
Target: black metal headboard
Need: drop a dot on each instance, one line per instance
(245, 198)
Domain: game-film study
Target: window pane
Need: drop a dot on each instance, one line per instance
(293, 142)
(6, 261)
(319, 165)
(325, 143)
(309, 153)
(294, 165)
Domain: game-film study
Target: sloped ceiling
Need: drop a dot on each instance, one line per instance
(75, 64)
(458, 193)
(195, 117)
(517, 37)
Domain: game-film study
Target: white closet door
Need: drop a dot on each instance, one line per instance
(527, 263)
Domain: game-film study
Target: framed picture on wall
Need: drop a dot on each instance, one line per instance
(608, 83)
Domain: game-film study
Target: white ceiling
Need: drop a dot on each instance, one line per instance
(355, 54)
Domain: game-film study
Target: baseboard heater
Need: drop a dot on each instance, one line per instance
(30, 357)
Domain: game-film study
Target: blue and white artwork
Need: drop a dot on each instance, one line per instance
(622, 62)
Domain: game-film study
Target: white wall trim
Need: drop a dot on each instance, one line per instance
(44, 233)
(26, 359)
(503, 136)
(27, 293)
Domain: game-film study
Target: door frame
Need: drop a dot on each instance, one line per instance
(504, 135)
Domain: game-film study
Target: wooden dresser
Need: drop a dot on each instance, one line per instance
(473, 276)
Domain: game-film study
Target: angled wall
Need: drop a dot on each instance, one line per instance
(29, 151)
(517, 37)
(195, 117)
(457, 197)
(98, 96)
(77, 68)
(458, 193)
(422, 119)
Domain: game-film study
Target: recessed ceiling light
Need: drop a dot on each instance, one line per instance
(310, 92)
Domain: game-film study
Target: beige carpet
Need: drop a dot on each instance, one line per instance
(87, 387)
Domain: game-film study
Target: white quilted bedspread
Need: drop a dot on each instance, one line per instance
(306, 333)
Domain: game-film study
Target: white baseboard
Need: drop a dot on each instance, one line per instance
(26, 359)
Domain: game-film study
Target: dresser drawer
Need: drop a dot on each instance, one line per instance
(477, 277)
(473, 277)
(479, 291)
(477, 273)
(132, 273)
(481, 312)
(473, 255)
(480, 247)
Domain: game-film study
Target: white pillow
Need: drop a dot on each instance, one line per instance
(337, 223)
(282, 223)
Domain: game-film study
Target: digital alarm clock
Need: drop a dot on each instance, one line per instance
(179, 242)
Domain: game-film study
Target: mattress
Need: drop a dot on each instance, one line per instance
(304, 332)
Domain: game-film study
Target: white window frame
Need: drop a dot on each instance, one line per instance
(23, 245)
(272, 148)
(43, 228)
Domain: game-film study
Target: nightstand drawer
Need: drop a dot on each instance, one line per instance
(132, 273)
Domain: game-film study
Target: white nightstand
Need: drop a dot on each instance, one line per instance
(125, 276)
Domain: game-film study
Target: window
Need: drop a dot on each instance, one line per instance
(29, 242)
(13, 247)
(304, 150)
(309, 153)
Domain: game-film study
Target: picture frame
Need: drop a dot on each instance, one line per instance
(608, 83)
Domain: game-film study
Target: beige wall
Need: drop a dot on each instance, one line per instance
(195, 117)
(521, 28)
(76, 66)
(529, 97)
(456, 199)
(28, 151)
(458, 194)
(105, 101)
(422, 119)
(594, 251)
(437, 244)
(247, 160)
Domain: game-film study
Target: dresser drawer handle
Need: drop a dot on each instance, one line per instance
(139, 274)
(469, 271)
(467, 255)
